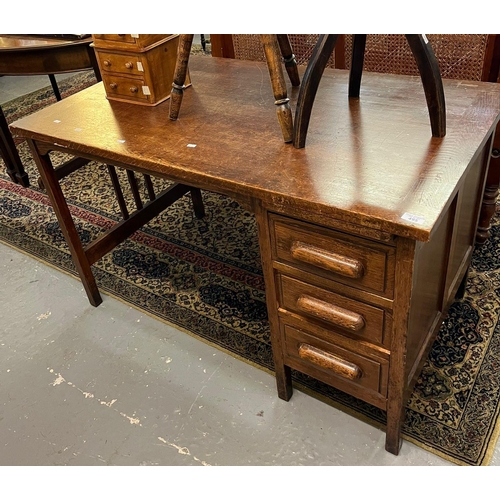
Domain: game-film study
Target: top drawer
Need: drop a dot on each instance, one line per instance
(347, 259)
(133, 42)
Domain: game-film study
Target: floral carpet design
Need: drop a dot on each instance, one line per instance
(205, 277)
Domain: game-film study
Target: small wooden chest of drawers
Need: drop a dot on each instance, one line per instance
(137, 68)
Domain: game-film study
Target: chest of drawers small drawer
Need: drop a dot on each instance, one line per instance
(361, 376)
(127, 63)
(347, 259)
(124, 87)
(341, 314)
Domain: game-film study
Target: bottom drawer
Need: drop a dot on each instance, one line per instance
(363, 377)
(123, 87)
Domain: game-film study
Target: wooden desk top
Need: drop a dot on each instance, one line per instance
(368, 162)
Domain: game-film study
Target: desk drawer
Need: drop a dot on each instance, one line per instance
(124, 87)
(348, 259)
(358, 375)
(336, 312)
(129, 63)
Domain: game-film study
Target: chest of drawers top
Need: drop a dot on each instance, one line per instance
(129, 43)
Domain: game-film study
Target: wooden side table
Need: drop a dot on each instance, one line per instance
(39, 55)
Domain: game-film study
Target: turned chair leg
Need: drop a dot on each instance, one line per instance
(180, 72)
(289, 59)
(283, 110)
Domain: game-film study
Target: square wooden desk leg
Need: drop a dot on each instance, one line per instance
(397, 388)
(283, 373)
(48, 175)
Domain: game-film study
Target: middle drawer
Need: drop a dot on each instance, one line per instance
(336, 312)
(125, 63)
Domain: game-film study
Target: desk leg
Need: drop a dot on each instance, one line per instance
(49, 178)
(10, 155)
(283, 373)
(397, 387)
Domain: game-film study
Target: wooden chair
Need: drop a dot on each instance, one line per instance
(274, 47)
(473, 57)
(427, 67)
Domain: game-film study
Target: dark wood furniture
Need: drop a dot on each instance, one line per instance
(461, 57)
(424, 57)
(39, 55)
(365, 235)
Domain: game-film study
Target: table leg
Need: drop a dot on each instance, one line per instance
(49, 178)
(55, 88)
(490, 194)
(198, 207)
(10, 154)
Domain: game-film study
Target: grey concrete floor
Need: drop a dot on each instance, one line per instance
(112, 386)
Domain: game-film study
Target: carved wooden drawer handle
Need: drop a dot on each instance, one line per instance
(129, 65)
(326, 360)
(337, 263)
(331, 313)
(106, 62)
(113, 86)
(134, 90)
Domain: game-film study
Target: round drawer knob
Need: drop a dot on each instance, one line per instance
(134, 90)
(106, 63)
(113, 86)
(129, 65)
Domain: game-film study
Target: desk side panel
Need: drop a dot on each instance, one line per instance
(442, 264)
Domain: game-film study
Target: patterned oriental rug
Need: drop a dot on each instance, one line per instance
(205, 277)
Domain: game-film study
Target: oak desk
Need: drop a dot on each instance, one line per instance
(365, 234)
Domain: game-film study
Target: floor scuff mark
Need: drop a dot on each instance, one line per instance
(183, 451)
(88, 395)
